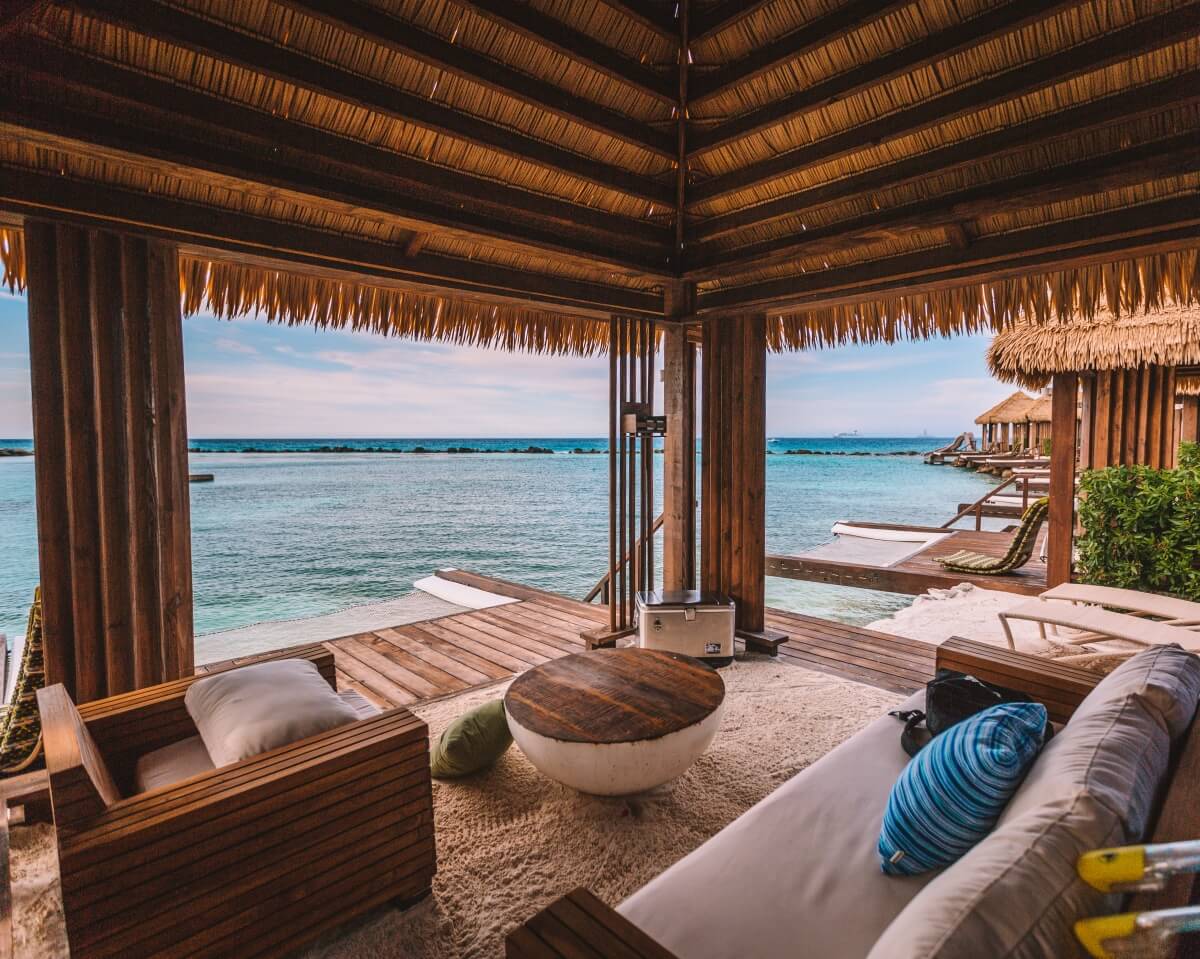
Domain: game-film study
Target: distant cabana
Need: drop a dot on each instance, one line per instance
(1003, 421)
(1038, 417)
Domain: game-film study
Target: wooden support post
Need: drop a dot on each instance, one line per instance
(1189, 423)
(679, 447)
(733, 504)
(110, 431)
(1063, 437)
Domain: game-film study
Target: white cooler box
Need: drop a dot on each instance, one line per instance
(687, 622)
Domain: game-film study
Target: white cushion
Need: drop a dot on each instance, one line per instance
(796, 875)
(253, 709)
(171, 764)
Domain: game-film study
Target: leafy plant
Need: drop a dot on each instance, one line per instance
(1142, 527)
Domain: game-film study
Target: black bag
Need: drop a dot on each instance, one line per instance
(951, 697)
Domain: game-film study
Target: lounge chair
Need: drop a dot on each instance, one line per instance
(1096, 623)
(1020, 550)
(21, 726)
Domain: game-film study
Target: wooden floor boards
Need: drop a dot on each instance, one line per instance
(402, 665)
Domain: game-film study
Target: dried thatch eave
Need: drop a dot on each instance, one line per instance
(1187, 384)
(1031, 352)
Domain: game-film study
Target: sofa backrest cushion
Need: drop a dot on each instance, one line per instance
(1017, 894)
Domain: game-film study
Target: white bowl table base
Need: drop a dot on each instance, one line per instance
(615, 722)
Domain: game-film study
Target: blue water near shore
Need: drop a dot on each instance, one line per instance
(289, 533)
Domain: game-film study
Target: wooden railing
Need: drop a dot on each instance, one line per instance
(977, 506)
(601, 588)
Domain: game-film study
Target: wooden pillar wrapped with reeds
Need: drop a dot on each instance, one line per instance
(733, 472)
(109, 424)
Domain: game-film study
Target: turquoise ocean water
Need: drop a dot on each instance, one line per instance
(285, 534)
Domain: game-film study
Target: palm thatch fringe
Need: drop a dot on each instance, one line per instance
(228, 290)
(1121, 288)
(1029, 353)
(12, 260)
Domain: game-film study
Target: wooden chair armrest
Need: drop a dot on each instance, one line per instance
(579, 924)
(132, 724)
(1058, 687)
(209, 855)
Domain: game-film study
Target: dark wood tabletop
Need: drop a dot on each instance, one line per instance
(614, 696)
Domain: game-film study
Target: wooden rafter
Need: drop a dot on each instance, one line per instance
(643, 12)
(939, 46)
(1153, 227)
(1141, 164)
(1129, 105)
(708, 23)
(15, 13)
(40, 194)
(681, 131)
(212, 119)
(154, 18)
(531, 23)
(1150, 34)
(816, 33)
(375, 26)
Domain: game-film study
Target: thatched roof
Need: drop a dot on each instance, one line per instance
(1011, 409)
(1187, 384)
(921, 169)
(1030, 352)
(1040, 410)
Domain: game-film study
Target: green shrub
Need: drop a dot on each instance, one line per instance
(1142, 527)
(1046, 446)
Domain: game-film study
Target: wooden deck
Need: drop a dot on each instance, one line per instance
(402, 665)
(921, 572)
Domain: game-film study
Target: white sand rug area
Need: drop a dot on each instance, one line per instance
(511, 841)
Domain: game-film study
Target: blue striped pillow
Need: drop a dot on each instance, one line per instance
(951, 794)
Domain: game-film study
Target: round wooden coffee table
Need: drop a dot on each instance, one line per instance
(612, 722)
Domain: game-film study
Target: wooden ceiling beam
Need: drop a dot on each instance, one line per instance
(170, 155)
(683, 70)
(1117, 108)
(531, 23)
(1146, 35)
(30, 193)
(153, 18)
(812, 35)
(377, 27)
(1152, 227)
(643, 12)
(979, 30)
(14, 14)
(53, 68)
(1124, 168)
(708, 23)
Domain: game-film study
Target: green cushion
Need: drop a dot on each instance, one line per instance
(472, 742)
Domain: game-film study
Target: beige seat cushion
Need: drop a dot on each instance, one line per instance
(797, 875)
(172, 764)
(253, 709)
(188, 757)
(1017, 893)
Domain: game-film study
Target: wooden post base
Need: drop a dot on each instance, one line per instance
(604, 638)
(767, 641)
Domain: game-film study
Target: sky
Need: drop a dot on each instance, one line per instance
(248, 378)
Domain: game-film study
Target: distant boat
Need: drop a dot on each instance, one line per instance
(838, 436)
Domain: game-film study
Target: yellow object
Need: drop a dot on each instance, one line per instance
(1094, 933)
(1105, 868)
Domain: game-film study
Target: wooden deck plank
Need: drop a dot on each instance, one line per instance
(360, 648)
(440, 678)
(417, 644)
(363, 673)
(473, 645)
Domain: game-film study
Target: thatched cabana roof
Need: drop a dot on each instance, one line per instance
(1040, 410)
(1029, 353)
(1011, 409)
(1187, 384)
(516, 173)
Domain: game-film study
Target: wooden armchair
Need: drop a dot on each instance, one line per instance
(251, 859)
(580, 925)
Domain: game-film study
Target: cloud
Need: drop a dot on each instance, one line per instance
(226, 345)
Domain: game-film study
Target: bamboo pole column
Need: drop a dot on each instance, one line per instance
(110, 437)
(1064, 427)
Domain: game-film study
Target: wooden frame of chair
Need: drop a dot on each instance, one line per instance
(580, 926)
(254, 858)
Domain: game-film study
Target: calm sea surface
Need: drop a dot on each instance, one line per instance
(280, 535)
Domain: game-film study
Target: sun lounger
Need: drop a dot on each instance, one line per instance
(1096, 623)
(1020, 550)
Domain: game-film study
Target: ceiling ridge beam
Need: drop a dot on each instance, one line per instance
(804, 39)
(39, 194)
(1146, 35)
(171, 154)
(1143, 163)
(1112, 235)
(154, 19)
(546, 30)
(1155, 97)
(939, 46)
(377, 27)
(683, 68)
(56, 67)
